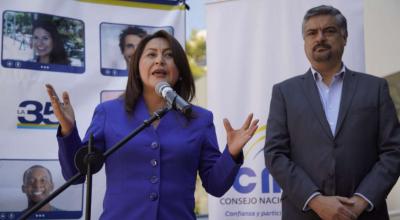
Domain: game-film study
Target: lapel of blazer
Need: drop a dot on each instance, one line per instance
(349, 87)
(313, 97)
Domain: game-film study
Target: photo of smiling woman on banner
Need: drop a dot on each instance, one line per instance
(43, 42)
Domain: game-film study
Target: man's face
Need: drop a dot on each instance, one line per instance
(130, 44)
(323, 40)
(38, 185)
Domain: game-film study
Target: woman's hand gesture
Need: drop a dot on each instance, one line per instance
(63, 111)
(238, 138)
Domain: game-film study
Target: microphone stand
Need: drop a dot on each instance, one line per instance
(89, 180)
(89, 161)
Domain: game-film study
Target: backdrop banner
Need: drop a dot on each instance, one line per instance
(252, 45)
(82, 40)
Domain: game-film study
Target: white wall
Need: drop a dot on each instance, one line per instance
(382, 36)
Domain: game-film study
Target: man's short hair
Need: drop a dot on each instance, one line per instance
(326, 10)
(28, 173)
(131, 30)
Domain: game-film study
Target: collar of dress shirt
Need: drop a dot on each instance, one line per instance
(338, 75)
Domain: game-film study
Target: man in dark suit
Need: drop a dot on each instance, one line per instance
(333, 137)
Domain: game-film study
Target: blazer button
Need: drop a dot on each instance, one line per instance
(154, 145)
(154, 179)
(153, 196)
(153, 162)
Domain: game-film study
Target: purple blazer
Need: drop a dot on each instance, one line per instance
(154, 175)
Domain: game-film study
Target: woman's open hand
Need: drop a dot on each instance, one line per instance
(63, 111)
(238, 138)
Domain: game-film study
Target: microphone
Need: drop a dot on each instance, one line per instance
(164, 90)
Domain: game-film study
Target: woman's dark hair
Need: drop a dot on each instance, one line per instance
(184, 86)
(58, 55)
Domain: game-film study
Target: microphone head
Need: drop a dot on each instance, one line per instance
(160, 87)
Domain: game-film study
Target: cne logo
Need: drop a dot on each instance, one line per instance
(251, 175)
(247, 178)
(32, 114)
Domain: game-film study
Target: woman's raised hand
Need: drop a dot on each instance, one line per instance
(63, 111)
(238, 138)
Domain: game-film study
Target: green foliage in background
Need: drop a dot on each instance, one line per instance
(196, 52)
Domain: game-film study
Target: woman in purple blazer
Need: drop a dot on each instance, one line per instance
(153, 176)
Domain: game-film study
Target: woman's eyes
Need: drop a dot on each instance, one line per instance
(166, 55)
(40, 38)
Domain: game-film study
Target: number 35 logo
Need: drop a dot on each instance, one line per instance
(31, 112)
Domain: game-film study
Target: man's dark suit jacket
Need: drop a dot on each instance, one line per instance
(302, 154)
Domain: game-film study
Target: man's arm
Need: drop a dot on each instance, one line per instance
(387, 168)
